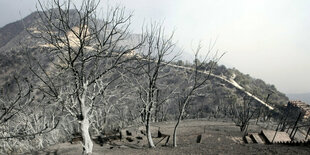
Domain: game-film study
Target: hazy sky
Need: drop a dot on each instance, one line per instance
(268, 39)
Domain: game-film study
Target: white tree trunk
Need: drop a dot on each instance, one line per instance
(175, 137)
(87, 142)
(149, 136)
(148, 131)
(148, 119)
(175, 131)
(84, 124)
(177, 124)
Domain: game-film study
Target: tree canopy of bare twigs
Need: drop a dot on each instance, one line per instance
(195, 80)
(83, 50)
(244, 113)
(24, 117)
(147, 73)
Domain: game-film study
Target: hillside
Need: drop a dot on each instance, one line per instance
(224, 84)
(12, 50)
(225, 90)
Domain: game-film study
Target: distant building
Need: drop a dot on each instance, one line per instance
(297, 107)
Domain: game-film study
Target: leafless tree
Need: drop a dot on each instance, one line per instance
(115, 100)
(12, 105)
(148, 71)
(262, 110)
(244, 112)
(195, 80)
(83, 48)
(24, 117)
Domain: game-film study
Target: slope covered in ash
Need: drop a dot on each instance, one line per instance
(16, 45)
(121, 104)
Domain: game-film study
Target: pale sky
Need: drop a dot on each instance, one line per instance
(268, 39)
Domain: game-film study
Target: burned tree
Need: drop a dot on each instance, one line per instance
(243, 113)
(149, 64)
(112, 112)
(263, 110)
(195, 80)
(84, 49)
(12, 105)
(25, 118)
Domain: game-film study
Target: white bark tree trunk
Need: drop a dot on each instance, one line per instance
(149, 137)
(178, 122)
(87, 142)
(84, 124)
(175, 130)
(148, 132)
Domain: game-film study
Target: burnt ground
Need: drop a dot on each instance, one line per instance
(218, 137)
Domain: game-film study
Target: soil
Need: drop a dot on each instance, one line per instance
(217, 137)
